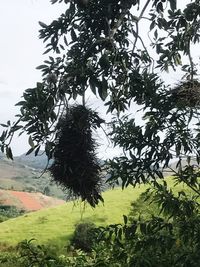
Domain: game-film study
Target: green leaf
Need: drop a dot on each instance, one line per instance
(104, 61)
(102, 90)
(30, 141)
(156, 34)
(73, 35)
(37, 150)
(62, 47)
(93, 84)
(53, 1)
(143, 228)
(125, 219)
(65, 40)
(16, 128)
(4, 125)
(3, 135)
(20, 103)
(9, 153)
(42, 24)
(159, 7)
(41, 67)
(47, 51)
(172, 4)
(29, 151)
(152, 25)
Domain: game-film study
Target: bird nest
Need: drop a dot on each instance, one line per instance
(75, 166)
(187, 94)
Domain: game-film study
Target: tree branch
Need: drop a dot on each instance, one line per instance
(136, 33)
(191, 62)
(143, 10)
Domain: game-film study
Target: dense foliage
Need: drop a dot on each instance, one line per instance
(84, 236)
(7, 212)
(102, 46)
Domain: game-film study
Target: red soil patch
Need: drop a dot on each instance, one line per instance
(28, 201)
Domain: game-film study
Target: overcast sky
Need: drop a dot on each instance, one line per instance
(21, 52)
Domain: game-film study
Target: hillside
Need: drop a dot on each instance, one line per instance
(16, 175)
(27, 201)
(24, 174)
(56, 225)
(38, 163)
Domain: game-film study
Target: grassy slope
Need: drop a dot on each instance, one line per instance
(56, 225)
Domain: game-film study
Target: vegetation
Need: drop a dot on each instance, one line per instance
(83, 237)
(99, 47)
(7, 212)
(148, 233)
(55, 226)
(75, 165)
(21, 177)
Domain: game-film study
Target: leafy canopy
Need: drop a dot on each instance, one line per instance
(117, 49)
(101, 46)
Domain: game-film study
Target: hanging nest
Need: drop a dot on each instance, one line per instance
(75, 166)
(186, 94)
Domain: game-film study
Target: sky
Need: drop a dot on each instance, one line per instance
(21, 52)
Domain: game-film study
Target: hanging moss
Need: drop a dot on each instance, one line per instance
(187, 94)
(75, 165)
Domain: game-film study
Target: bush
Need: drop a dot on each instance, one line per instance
(143, 208)
(7, 212)
(8, 259)
(83, 237)
(34, 255)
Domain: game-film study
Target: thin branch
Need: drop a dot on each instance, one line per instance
(144, 9)
(136, 32)
(191, 62)
(136, 35)
(83, 99)
(186, 182)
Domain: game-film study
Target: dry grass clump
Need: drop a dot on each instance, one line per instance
(75, 165)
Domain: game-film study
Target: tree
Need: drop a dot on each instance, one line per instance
(100, 46)
(46, 191)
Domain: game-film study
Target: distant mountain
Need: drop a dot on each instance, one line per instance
(2, 155)
(184, 162)
(37, 162)
(24, 174)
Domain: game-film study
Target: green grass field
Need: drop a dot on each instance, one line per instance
(56, 225)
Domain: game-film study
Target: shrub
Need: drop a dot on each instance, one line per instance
(8, 259)
(34, 255)
(83, 237)
(7, 212)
